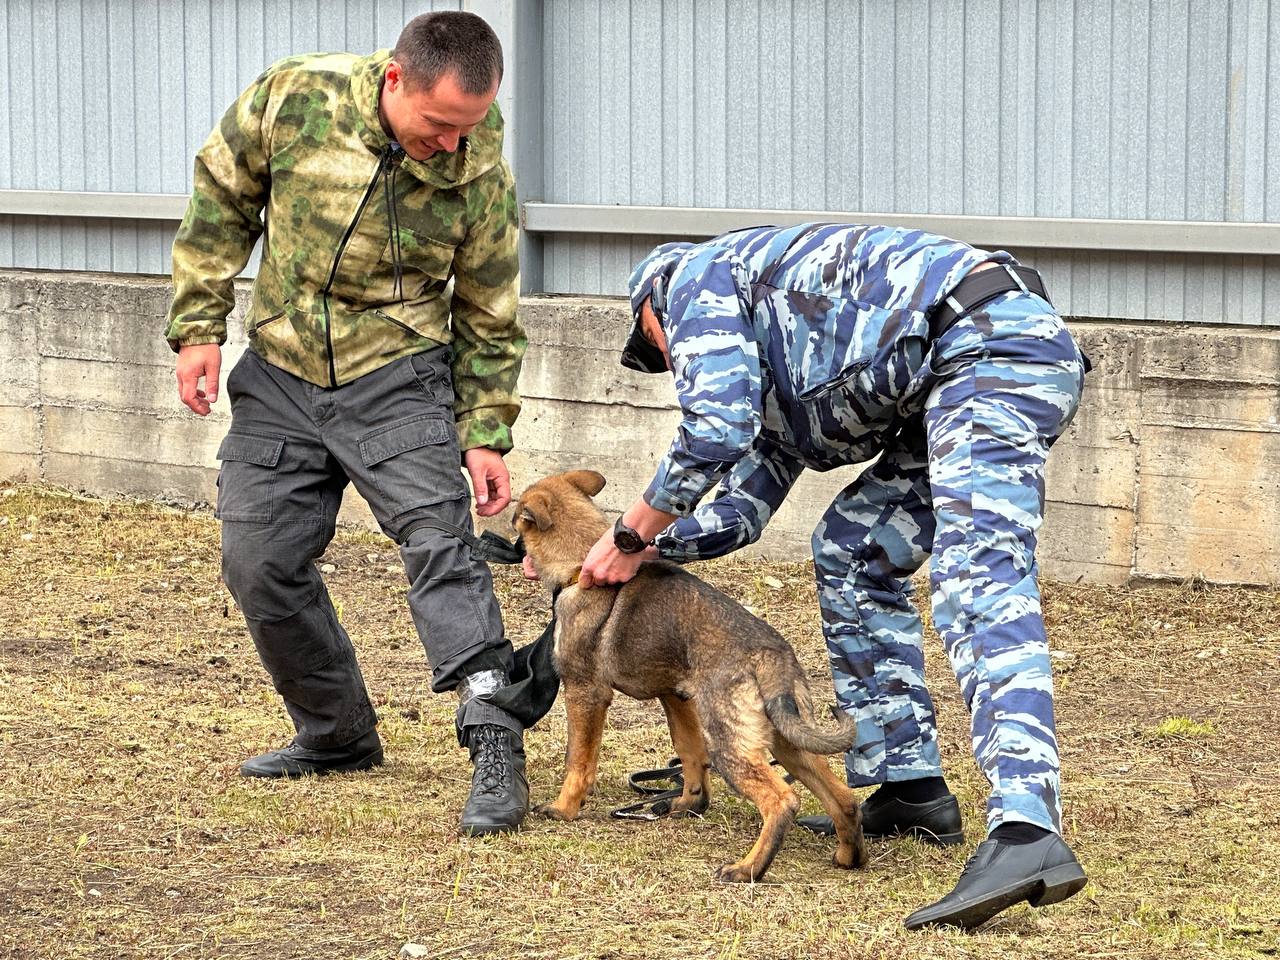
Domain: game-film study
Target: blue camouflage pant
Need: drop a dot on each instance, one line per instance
(962, 484)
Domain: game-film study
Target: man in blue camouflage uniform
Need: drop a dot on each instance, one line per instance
(828, 345)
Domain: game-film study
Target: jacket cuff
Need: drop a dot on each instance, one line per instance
(176, 344)
(677, 490)
(484, 432)
(671, 547)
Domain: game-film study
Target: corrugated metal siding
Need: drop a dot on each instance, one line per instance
(1130, 109)
(114, 96)
(1125, 109)
(1207, 289)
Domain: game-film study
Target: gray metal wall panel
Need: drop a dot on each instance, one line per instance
(1126, 109)
(116, 246)
(1216, 289)
(931, 130)
(150, 78)
(1129, 108)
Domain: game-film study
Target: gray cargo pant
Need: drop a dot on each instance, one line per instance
(290, 452)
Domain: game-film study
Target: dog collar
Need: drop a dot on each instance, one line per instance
(571, 582)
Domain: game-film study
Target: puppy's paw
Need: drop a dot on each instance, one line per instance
(694, 806)
(734, 873)
(553, 812)
(848, 856)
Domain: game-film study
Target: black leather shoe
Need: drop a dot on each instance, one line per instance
(499, 796)
(299, 761)
(936, 821)
(999, 875)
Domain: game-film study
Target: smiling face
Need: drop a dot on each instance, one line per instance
(428, 120)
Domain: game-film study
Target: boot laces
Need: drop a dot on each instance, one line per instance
(491, 759)
(971, 862)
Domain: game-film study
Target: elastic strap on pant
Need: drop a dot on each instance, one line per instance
(488, 546)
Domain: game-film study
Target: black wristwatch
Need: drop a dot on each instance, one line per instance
(626, 539)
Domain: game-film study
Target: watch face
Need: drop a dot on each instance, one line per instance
(626, 539)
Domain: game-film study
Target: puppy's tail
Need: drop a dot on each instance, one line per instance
(789, 706)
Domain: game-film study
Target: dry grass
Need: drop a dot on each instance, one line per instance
(129, 692)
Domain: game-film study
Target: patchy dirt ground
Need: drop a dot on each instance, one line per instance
(129, 693)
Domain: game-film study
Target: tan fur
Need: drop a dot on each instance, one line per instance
(730, 685)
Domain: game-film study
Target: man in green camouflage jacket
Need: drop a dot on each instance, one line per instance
(373, 182)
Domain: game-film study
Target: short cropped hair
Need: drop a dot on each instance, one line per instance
(449, 41)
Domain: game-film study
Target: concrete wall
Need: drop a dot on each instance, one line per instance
(1171, 469)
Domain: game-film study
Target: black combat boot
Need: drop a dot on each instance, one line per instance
(299, 761)
(499, 796)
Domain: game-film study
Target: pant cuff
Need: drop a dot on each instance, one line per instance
(334, 741)
(476, 712)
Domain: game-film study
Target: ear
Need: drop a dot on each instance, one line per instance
(588, 481)
(393, 76)
(535, 508)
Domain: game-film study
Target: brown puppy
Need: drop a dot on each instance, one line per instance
(730, 685)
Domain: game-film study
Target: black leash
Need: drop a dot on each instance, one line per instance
(657, 802)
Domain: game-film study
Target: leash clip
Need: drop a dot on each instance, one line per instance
(657, 802)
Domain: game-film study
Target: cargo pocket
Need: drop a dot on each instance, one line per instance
(246, 480)
(422, 254)
(414, 463)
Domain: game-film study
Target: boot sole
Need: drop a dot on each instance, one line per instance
(487, 829)
(922, 834)
(1048, 887)
(352, 766)
(1059, 883)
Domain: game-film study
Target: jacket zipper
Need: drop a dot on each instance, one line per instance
(403, 326)
(258, 326)
(818, 392)
(337, 258)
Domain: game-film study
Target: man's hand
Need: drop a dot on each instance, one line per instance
(489, 480)
(606, 564)
(195, 362)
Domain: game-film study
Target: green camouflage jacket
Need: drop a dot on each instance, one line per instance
(339, 293)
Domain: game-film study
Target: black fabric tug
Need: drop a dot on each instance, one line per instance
(535, 682)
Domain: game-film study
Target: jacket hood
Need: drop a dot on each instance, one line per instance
(479, 152)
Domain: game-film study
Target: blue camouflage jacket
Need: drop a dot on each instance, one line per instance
(791, 348)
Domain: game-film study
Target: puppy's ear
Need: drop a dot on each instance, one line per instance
(588, 481)
(535, 508)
